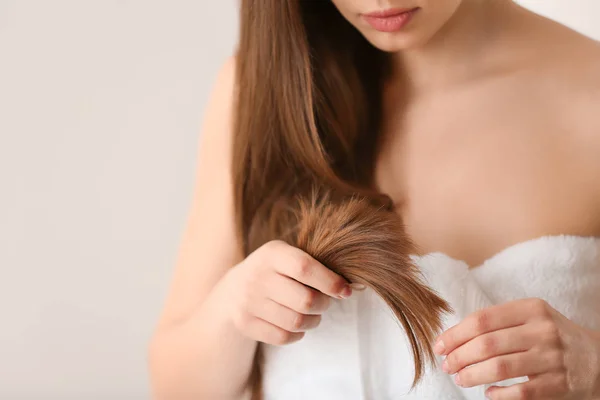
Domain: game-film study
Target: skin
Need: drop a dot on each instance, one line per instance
(515, 131)
(523, 338)
(511, 127)
(220, 304)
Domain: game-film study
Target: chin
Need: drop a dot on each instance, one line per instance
(395, 42)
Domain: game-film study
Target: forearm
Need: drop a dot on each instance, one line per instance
(205, 357)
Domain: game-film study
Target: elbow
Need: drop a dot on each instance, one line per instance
(161, 383)
(173, 377)
(167, 382)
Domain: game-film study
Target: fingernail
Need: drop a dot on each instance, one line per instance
(346, 292)
(439, 347)
(457, 380)
(445, 367)
(357, 286)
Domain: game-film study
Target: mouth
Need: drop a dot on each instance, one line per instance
(391, 12)
(391, 20)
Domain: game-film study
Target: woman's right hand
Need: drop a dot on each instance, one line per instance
(279, 292)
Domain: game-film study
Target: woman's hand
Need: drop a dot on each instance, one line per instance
(523, 338)
(279, 292)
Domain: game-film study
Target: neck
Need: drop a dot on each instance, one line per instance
(461, 50)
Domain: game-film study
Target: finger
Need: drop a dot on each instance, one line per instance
(508, 366)
(542, 387)
(357, 286)
(302, 267)
(492, 319)
(493, 344)
(262, 331)
(284, 317)
(296, 296)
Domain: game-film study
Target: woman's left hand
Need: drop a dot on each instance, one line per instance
(523, 338)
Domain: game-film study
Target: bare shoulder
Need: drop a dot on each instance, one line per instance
(581, 77)
(582, 61)
(562, 49)
(582, 105)
(571, 71)
(582, 95)
(572, 82)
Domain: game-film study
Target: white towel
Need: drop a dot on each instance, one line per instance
(360, 352)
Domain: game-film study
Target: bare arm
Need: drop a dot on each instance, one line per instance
(220, 305)
(195, 352)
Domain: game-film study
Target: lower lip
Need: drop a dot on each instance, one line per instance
(393, 23)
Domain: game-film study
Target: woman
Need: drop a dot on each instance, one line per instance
(479, 119)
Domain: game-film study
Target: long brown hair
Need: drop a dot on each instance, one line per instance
(305, 139)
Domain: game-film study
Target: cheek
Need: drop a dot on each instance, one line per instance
(348, 8)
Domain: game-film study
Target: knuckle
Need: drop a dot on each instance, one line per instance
(453, 361)
(539, 307)
(501, 369)
(296, 337)
(326, 303)
(337, 285)
(298, 322)
(465, 377)
(525, 392)
(481, 321)
(309, 299)
(274, 245)
(281, 337)
(269, 250)
(557, 359)
(489, 345)
(303, 266)
(317, 321)
(550, 333)
(264, 252)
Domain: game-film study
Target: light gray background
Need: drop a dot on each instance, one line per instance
(100, 105)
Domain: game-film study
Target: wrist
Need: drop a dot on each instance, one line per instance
(215, 312)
